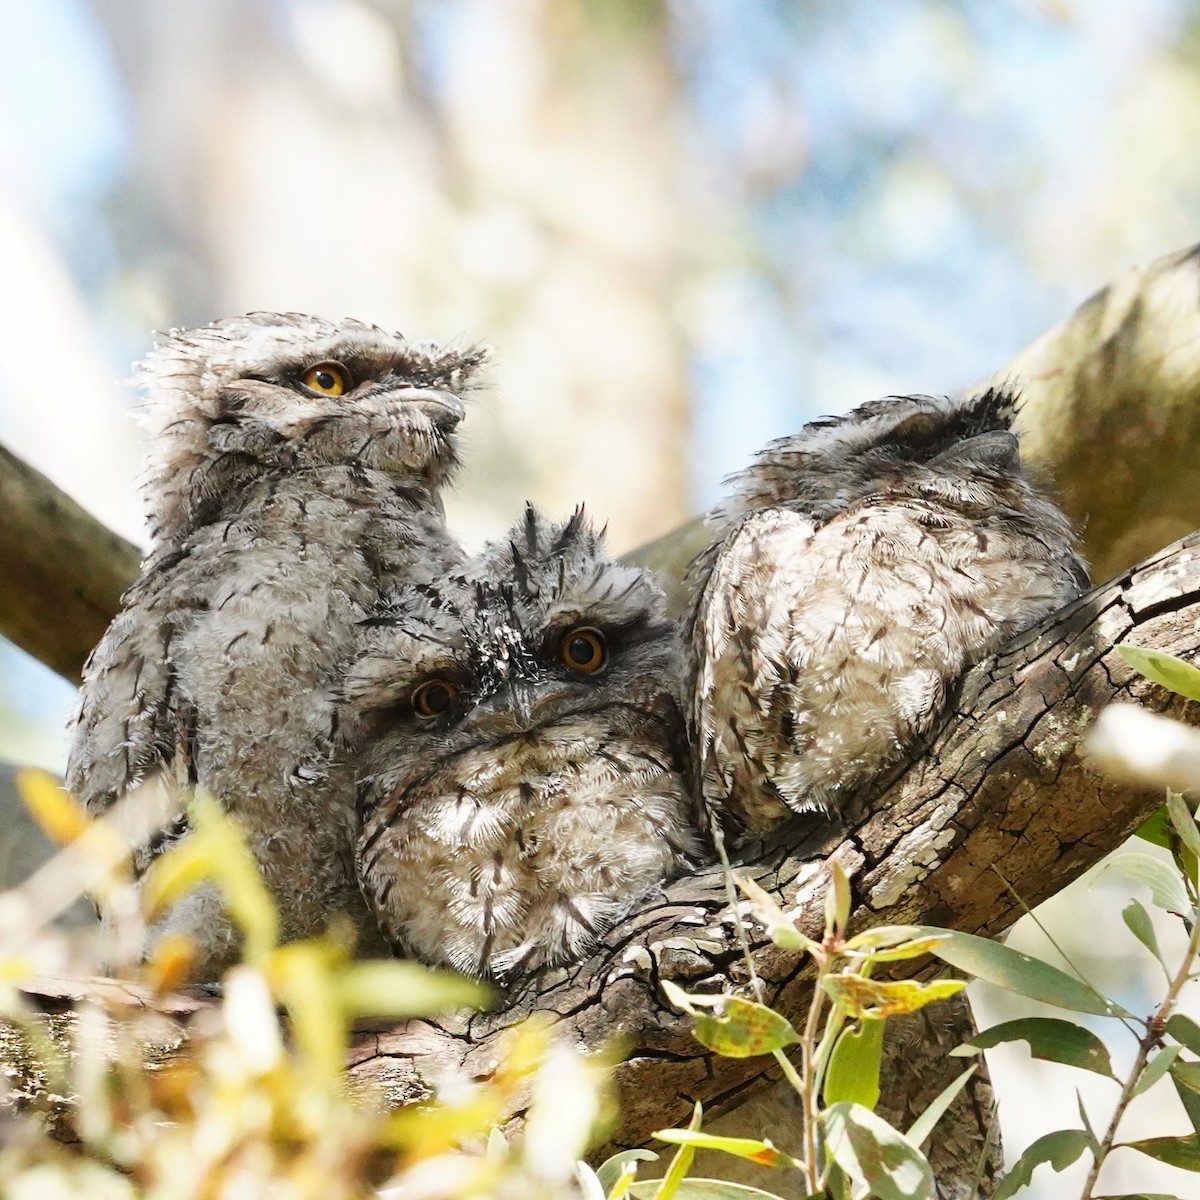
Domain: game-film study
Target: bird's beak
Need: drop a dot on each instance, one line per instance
(444, 408)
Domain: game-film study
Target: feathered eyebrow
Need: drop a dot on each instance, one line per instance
(641, 627)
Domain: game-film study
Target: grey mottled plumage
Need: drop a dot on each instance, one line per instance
(522, 754)
(858, 568)
(294, 472)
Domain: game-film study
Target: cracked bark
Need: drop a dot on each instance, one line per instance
(999, 796)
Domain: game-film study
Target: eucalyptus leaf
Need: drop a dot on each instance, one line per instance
(862, 997)
(853, 1071)
(704, 1189)
(1158, 1066)
(1138, 1196)
(1050, 1039)
(1017, 972)
(682, 1162)
(1182, 1152)
(1185, 1031)
(1156, 829)
(837, 899)
(612, 1168)
(923, 1126)
(1138, 921)
(1183, 821)
(397, 988)
(1164, 669)
(876, 1155)
(1093, 1140)
(1059, 1150)
(757, 1150)
(1186, 1078)
(1163, 879)
(774, 920)
(744, 1029)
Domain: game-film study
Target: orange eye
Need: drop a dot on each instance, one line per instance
(583, 650)
(329, 378)
(434, 698)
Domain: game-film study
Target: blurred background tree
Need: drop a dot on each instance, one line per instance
(686, 226)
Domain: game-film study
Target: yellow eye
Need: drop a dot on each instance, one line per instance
(583, 650)
(327, 377)
(434, 697)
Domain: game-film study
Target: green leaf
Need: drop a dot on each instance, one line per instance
(913, 949)
(1166, 887)
(1182, 1152)
(1093, 1140)
(690, 1002)
(875, 1155)
(1138, 921)
(862, 997)
(1050, 1039)
(1017, 972)
(1185, 1031)
(1158, 1066)
(853, 1071)
(837, 900)
(744, 1029)
(682, 1162)
(922, 1127)
(1164, 669)
(1138, 1196)
(1059, 1149)
(881, 936)
(759, 1151)
(1156, 829)
(395, 988)
(704, 1189)
(774, 920)
(1186, 1078)
(611, 1169)
(1183, 821)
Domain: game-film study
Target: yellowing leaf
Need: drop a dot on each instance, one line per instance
(216, 851)
(762, 1152)
(394, 988)
(779, 929)
(744, 1029)
(303, 975)
(58, 814)
(861, 997)
(170, 962)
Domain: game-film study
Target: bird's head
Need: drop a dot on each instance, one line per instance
(250, 395)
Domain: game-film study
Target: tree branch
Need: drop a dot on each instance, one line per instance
(1000, 794)
(63, 571)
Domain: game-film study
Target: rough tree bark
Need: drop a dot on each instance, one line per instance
(999, 798)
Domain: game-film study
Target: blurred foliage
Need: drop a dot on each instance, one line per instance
(252, 1101)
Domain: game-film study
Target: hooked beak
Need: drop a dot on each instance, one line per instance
(445, 409)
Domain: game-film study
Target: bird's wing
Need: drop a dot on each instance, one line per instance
(131, 723)
(740, 647)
